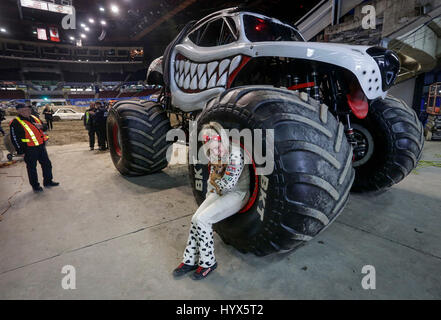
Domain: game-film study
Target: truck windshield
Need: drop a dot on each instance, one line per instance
(261, 29)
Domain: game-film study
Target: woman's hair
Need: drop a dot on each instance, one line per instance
(214, 128)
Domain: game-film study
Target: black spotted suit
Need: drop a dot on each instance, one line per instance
(235, 194)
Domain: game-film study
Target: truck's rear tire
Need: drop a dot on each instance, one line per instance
(398, 138)
(136, 133)
(312, 174)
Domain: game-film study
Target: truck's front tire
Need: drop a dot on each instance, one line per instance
(312, 175)
(398, 140)
(136, 133)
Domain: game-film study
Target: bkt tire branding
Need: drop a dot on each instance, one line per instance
(264, 183)
(198, 182)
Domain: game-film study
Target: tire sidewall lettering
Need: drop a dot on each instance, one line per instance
(262, 199)
(198, 178)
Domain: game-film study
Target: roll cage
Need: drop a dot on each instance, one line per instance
(230, 25)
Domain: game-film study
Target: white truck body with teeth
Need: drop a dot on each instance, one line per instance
(199, 73)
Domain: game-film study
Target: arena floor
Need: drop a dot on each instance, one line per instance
(124, 236)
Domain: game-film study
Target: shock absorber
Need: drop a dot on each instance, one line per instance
(288, 81)
(308, 89)
(316, 95)
(350, 131)
(296, 82)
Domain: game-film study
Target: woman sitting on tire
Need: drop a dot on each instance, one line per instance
(231, 195)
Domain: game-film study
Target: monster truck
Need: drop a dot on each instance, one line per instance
(335, 127)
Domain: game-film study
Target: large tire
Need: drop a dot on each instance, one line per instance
(398, 137)
(312, 174)
(136, 133)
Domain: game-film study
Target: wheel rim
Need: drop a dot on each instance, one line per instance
(116, 139)
(363, 145)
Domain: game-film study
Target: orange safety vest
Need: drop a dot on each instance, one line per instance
(33, 136)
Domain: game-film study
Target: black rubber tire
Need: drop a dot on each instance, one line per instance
(312, 174)
(56, 118)
(399, 139)
(142, 146)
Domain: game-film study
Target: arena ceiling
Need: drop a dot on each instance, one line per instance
(148, 23)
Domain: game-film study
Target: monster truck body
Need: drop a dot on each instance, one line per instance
(335, 127)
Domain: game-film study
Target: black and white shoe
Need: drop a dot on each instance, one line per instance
(183, 269)
(202, 272)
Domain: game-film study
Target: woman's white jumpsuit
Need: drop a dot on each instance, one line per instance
(235, 194)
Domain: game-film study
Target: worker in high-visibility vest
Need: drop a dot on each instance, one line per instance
(29, 140)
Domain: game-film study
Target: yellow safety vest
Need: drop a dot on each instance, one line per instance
(33, 135)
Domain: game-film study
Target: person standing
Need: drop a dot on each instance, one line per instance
(29, 140)
(2, 117)
(106, 114)
(89, 124)
(100, 119)
(34, 110)
(48, 112)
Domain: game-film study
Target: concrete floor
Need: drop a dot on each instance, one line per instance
(124, 236)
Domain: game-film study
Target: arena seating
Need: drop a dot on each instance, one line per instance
(81, 96)
(108, 94)
(12, 94)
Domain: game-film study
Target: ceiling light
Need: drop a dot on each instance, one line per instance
(102, 9)
(83, 25)
(87, 29)
(72, 38)
(91, 20)
(83, 35)
(114, 8)
(2, 30)
(103, 22)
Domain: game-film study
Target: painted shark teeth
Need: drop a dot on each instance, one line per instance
(212, 82)
(193, 69)
(190, 75)
(223, 65)
(203, 81)
(186, 66)
(222, 82)
(201, 69)
(194, 83)
(186, 82)
(211, 67)
(234, 63)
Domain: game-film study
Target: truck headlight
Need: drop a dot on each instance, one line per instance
(389, 65)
